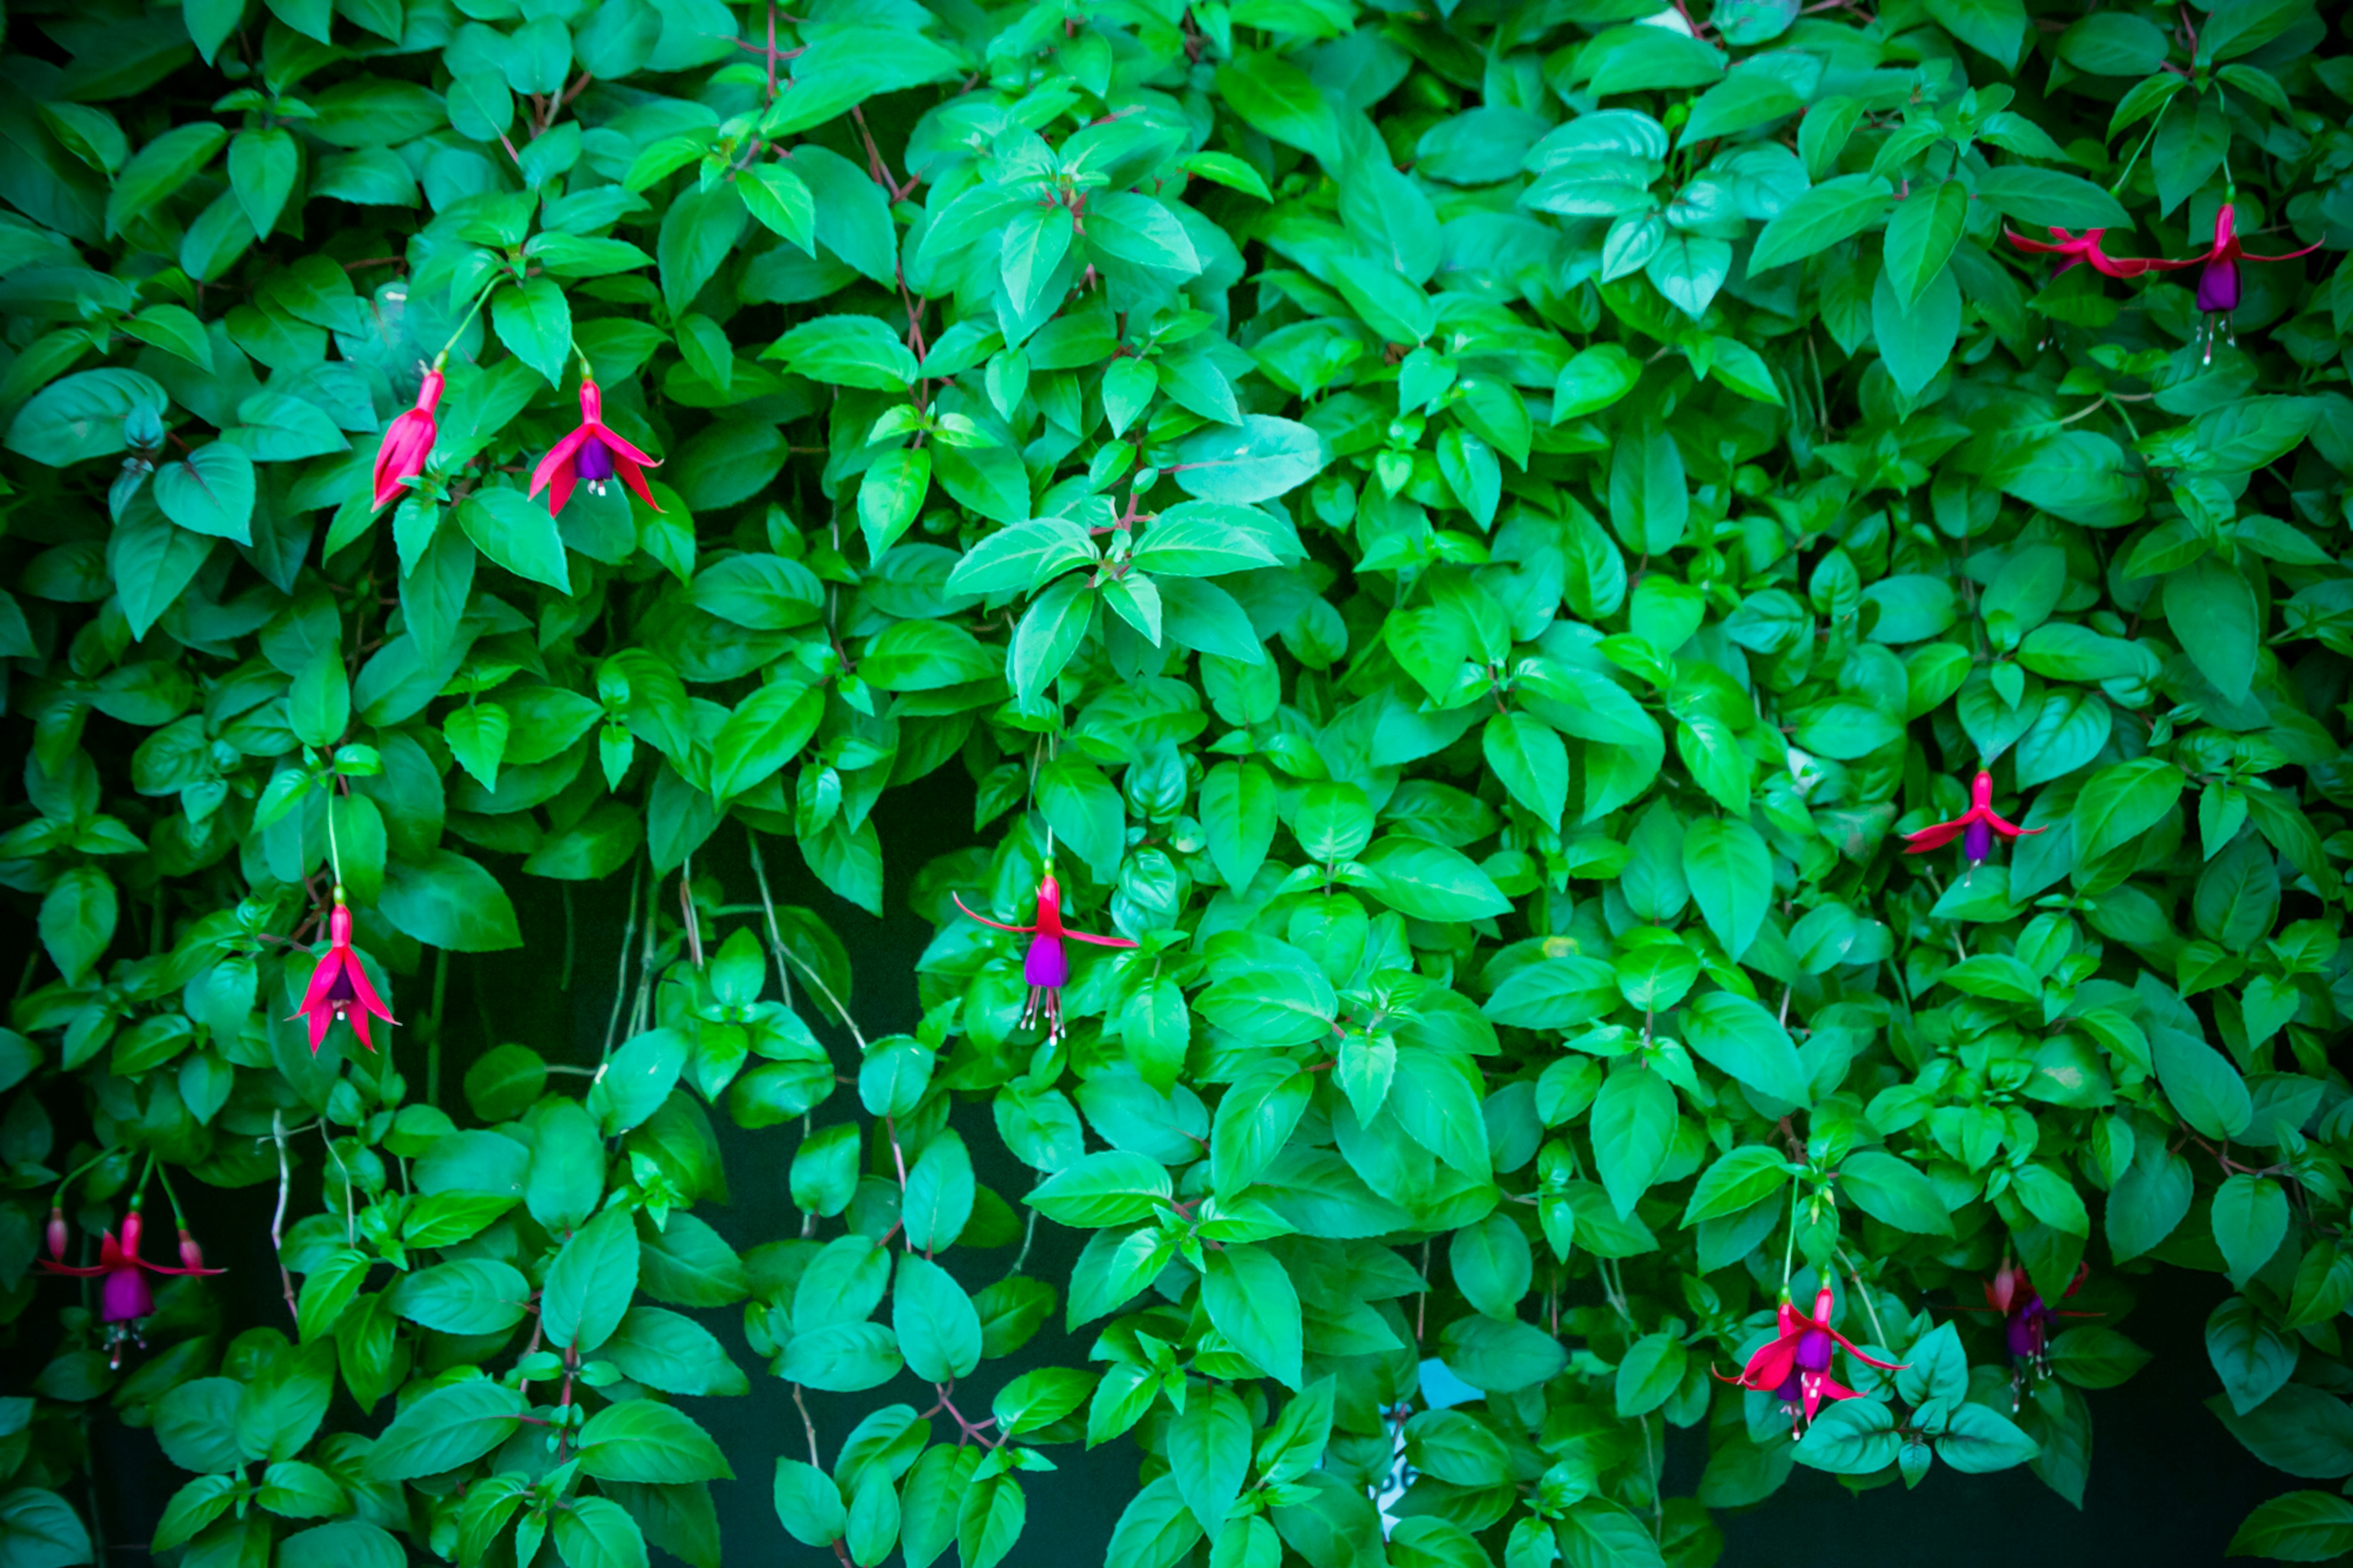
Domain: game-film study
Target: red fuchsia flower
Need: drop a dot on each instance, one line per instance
(1980, 824)
(2218, 285)
(339, 986)
(2027, 1329)
(1046, 966)
(591, 455)
(1794, 1367)
(125, 1297)
(407, 441)
(2083, 249)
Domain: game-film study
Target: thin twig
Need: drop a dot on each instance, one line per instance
(621, 980)
(278, 1220)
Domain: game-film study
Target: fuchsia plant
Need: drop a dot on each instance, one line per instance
(126, 1300)
(1045, 966)
(592, 454)
(1794, 1366)
(1976, 827)
(339, 986)
(407, 441)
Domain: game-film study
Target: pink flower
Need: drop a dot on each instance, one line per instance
(125, 1297)
(1795, 1365)
(592, 455)
(2218, 285)
(407, 442)
(1980, 822)
(2083, 248)
(1046, 966)
(339, 986)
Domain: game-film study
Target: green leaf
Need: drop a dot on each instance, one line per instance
(533, 321)
(517, 534)
(1742, 1038)
(2252, 1355)
(2121, 803)
(590, 1282)
(449, 901)
(1633, 1125)
(1112, 1187)
(2299, 1526)
(1264, 457)
(1430, 881)
(1893, 1190)
(1649, 503)
(446, 1428)
(766, 731)
(2250, 1218)
(1731, 876)
(1835, 210)
(809, 1504)
(2046, 198)
(2201, 1083)
(1851, 1437)
(1976, 1440)
(1736, 1183)
(847, 351)
(643, 1440)
(162, 167)
(211, 492)
(939, 1332)
(1251, 1301)
(2213, 611)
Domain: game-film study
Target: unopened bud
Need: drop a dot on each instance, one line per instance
(191, 1255)
(56, 1234)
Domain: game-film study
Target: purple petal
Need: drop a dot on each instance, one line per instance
(1048, 964)
(1976, 840)
(592, 462)
(125, 1297)
(2218, 286)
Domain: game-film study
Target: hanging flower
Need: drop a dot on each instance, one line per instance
(2219, 284)
(1794, 1367)
(591, 455)
(1980, 823)
(2083, 249)
(407, 442)
(125, 1299)
(1046, 967)
(2026, 1329)
(339, 986)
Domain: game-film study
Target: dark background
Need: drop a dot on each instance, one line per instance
(2168, 1485)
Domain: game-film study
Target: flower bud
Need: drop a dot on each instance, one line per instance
(191, 1255)
(57, 1236)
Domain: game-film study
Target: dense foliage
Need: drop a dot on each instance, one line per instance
(1463, 536)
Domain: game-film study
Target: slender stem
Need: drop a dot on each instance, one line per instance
(641, 1006)
(621, 980)
(163, 1174)
(278, 1220)
(686, 912)
(808, 1427)
(1870, 1307)
(2126, 174)
(1029, 1235)
(465, 320)
(785, 956)
(1790, 1247)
